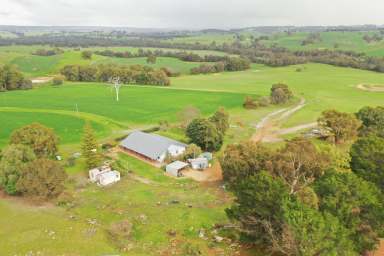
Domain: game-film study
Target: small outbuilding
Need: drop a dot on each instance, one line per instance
(104, 176)
(200, 163)
(108, 178)
(206, 155)
(94, 173)
(175, 168)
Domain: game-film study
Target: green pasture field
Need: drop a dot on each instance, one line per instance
(147, 204)
(323, 86)
(35, 66)
(207, 38)
(137, 105)
(67, 127)
(58, 107)
(346, 41)
(172, 63)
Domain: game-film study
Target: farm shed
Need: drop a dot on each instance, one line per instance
(108, 178)
(199, 163)
(175, 168)
(104, 175)
(206, 155)
(152, 146)
(94, 173)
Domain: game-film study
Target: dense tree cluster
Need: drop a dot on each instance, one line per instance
(87, 55)
(12, 79)
(49, 52)
(26, 165)
(340, 126)
(228, 64)
(181, 55)
(209, 133)
(280, 94)
(290, 202)
(135, 74)
(208, 68)
(372, 121)
(367, 153)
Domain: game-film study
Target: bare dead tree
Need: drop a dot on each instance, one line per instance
(115, 81)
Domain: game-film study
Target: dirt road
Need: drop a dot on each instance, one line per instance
(268, 129)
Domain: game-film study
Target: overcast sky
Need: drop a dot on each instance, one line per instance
(191, 13)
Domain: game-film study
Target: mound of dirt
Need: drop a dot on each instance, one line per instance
(371, 88)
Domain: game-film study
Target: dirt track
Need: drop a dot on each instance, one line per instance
(371, 88)
(268, 129)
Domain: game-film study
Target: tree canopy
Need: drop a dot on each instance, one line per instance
(42, 178)
(14, 158)
(342, 126)
(42, 140)
(204, 133)
(367, 159)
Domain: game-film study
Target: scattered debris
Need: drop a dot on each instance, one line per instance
(171, 232)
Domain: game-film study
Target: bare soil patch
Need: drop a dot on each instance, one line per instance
(41, 80)
(212, 174)
(371, 88)
(268, 129)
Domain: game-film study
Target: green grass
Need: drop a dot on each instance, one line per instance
(172, 63)
(137, 105)
(323, 86)
(25, 229)
(127, 200)
(68, 128)
(347, 41)
(208, 38)
(35, 66)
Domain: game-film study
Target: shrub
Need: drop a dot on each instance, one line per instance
(280, 94)
(58, 80)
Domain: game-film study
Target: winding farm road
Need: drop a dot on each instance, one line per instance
(268, 129)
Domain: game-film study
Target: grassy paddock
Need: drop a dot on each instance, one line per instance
(50, 230)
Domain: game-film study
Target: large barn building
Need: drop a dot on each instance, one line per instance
(152, 146)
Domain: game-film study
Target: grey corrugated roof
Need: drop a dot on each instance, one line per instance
(177, 165)
(149, 145)
(200, 160)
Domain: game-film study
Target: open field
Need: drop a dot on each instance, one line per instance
(167, 213)
(347, 41)
(148, 205)
(323, 87)
(138, 106)
(34, 66)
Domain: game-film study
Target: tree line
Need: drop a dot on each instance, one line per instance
(256, 52)
(308, 199)
(12, 79)
(181, 55)
(135, 74)
(49, 52)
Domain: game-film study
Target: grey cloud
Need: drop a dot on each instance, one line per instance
(194, 14)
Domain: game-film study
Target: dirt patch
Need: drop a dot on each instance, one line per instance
(41, 80)
(268, 129)
(26, 201)
(371, 88)
(379, 251)
(212, 174)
